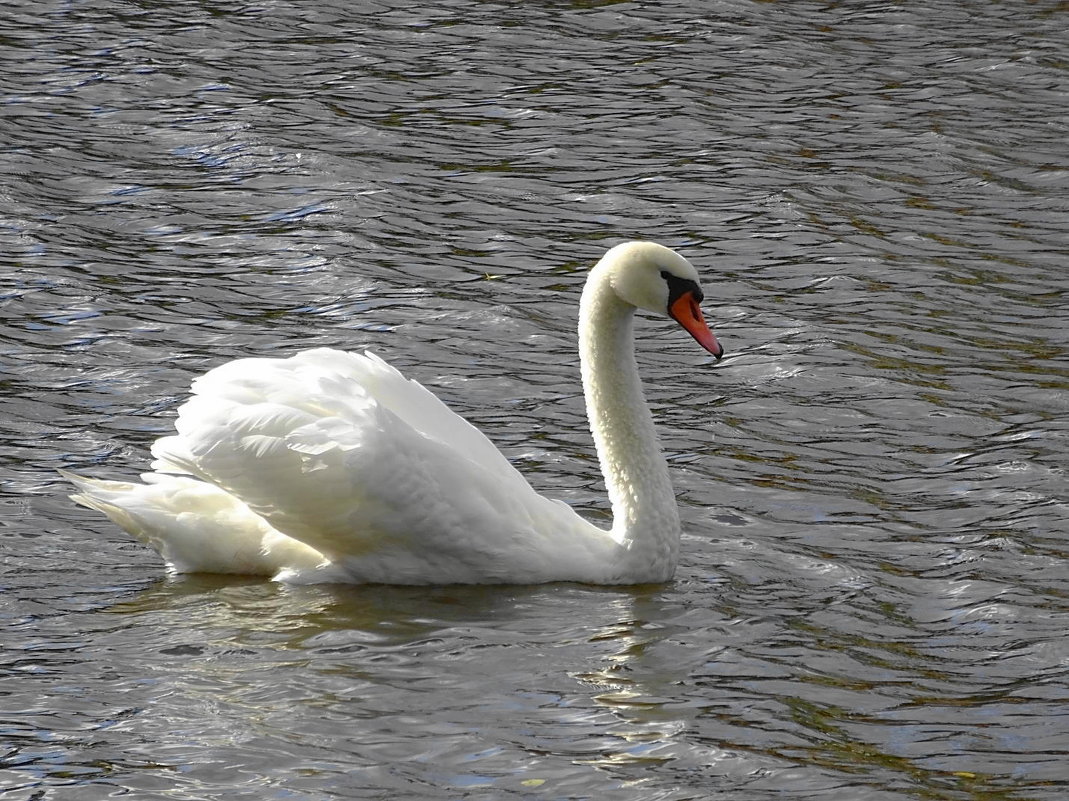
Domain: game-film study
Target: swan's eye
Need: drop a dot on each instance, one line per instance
(678, 286)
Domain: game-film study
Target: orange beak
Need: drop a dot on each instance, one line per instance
(685, 311)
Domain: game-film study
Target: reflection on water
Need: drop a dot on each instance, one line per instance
(871, 600)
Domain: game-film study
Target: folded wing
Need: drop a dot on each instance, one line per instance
(342, 453)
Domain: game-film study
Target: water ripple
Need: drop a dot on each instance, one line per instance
(871, 604)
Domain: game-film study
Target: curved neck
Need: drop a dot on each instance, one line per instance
(645, 517)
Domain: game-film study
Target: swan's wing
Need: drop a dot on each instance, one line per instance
(324, 383)
(196, 527)
(343, 453)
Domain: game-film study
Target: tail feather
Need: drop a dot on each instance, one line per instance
(195, 526)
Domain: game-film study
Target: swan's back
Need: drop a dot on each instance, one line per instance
(343, 453)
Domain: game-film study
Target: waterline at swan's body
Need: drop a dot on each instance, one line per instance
(331, 466)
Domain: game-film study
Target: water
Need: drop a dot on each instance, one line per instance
(872, 601)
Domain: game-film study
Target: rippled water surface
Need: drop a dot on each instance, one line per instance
(872, 601)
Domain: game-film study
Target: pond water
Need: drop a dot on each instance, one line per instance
(872, 598)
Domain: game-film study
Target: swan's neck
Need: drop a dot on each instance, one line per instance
(645, 517)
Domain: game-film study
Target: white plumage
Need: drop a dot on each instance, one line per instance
(332, 466)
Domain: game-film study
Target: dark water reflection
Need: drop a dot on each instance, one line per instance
(872, 600)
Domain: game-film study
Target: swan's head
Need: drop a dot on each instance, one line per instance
(655, 278)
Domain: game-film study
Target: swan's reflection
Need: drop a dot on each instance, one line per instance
(296, 614)
(505, 685)
(643, 684)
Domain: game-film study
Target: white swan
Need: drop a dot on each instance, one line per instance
(331, 466)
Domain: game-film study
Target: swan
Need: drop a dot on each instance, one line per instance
(330, 466)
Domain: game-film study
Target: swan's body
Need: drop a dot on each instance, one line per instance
(331, 466)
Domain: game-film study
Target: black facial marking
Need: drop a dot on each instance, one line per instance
(678, 286)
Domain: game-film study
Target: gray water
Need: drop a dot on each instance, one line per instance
(873, 599)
